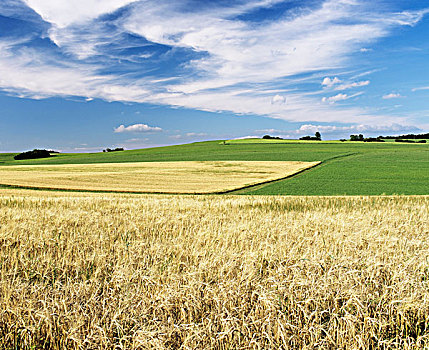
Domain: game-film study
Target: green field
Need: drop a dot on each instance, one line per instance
(348, 168)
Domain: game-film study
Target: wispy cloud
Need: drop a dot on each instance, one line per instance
(420, 88)
(328, 82)
(246, 137)
(391, 96)
(352, 85)
(63, 13)
(270, 131)
(340, 130)
(216, 60)
(339, 97)
(356, 128)
(195, 134)
(137, 128)
(336, 98)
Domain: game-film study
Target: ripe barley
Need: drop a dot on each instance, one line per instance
(224, 272)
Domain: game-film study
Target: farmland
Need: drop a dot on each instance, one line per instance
(348, 168)
(150, 177)
(237, 271)
(168, 272)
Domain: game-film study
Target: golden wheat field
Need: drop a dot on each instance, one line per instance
(104, 271)
(165, 177)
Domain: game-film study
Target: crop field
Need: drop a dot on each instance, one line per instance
(347, 168)
(165, 177)
(223, 272)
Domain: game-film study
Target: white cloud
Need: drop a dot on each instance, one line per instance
(247, 137)
(392, 95)
(330, 82)
(340, 97)
(364, 49)
(240, 52)
(134, 140)
(336, 98)
(62, 13)
(353, 85)
(137, 128)
(277, 99)
(357, 128)
(234, 52)
(195, 134)
(299, 108)
(84, 149)
(188, 135)
(28, 73)
(420, 88)
(270, 131)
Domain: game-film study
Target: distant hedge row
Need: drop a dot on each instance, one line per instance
(34, 154)
(113, 150)
(410, 141)
(408, 136)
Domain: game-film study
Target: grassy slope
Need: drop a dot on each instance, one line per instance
(348, 168)
(211, 150)
(362, 174)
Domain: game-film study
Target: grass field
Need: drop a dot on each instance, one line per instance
(150, 177)
(101, 271)
(273, 141)
(348, 168)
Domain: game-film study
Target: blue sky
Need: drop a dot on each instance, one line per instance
(84, 75)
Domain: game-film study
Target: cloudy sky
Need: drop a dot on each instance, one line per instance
(83, 75)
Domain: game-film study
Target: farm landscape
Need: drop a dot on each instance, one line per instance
(103, 270)
(189, 174)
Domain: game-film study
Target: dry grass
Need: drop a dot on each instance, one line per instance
(166, 177)
(167, 272)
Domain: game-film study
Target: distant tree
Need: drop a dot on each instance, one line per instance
(268, 137)
(316, 137)
(34, 154)
(113, 150)
(372, 139)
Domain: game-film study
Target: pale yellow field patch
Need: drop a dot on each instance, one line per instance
(151, 177)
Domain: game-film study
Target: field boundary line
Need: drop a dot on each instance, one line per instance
(268, 181)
